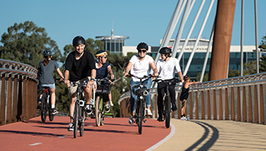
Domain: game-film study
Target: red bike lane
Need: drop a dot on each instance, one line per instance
(116, 134)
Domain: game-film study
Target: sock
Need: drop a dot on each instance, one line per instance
(52, 106)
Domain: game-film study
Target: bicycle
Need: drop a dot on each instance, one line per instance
(46, 105)
(103, 87)
(141, 92)
(79, 115)
(166, 100)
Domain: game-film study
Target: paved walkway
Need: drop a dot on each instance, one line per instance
(215, 135)
(118, 135)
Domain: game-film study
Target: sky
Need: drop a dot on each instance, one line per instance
(141, 20)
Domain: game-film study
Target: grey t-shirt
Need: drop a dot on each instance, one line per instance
(46, 72)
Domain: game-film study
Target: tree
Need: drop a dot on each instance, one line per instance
(233, 73)
(263, 64)
(205, 77)
(25, 42)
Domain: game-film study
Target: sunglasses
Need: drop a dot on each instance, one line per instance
(142, 51)
(104, 57)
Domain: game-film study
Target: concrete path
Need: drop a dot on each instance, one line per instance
(215, 135)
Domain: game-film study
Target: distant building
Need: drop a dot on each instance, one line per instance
(112, 43)
(198, 59)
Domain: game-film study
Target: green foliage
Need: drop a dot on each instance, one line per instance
(25, 42)
(233, 73)
(205, 78)
(249, 68)
(263, 64)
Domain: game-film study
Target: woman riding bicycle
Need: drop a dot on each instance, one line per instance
(140, 65)
(102, 70)
(167, 67)
(45, 76)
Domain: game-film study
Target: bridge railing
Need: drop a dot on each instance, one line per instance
(18, 91)
(239, 99)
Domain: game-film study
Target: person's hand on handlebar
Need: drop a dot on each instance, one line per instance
(67, 82)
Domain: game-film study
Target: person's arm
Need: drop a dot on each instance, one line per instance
(154, 68)
(66, 81)
(109, 69)
(129, 66)
(60, 73)
(180, 76)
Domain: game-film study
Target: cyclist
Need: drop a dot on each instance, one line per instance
(139, 65)
(167, 67)
(79, 65)
(184, 95)
(102, 70)
(45, 76)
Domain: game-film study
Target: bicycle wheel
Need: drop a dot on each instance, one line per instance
(141, 115)
(102, 110)
(98, 112)
(167, 109)
(51, 116)
(76, 118)
(43, 107)
(81, 123)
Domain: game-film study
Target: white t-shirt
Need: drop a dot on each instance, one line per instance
(167, 69)
(140, 68)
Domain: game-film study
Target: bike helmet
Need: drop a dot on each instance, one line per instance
(78, 40)
(165, 50)
(47, 53)
(142, 45)
(100, 53)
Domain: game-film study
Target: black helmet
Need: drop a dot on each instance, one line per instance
(78, 41)
(165, 50)
(100, 53)
(142, 45)
(47, 53)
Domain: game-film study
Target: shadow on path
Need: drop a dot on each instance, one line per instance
(210, 142)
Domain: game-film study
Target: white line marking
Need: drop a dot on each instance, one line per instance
(35, 144)
(163, 140)
(62, 136)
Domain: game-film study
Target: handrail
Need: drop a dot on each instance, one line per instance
(18, 87)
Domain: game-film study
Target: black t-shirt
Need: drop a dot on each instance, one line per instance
(81, 68)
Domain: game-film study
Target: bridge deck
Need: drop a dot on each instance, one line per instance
(117, 134)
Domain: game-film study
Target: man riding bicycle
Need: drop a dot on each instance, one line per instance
(167, 67)
(102, 70)
(79, 65)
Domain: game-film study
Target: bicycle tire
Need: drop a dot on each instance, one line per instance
(81, 123)
(98, 112)
(167, 109)
(76, 118)
(141, 116)
(51, 116)
(43, 107)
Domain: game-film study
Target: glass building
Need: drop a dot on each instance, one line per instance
(197, 62)
(112, 43)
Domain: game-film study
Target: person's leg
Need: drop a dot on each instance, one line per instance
(134, 97)
(110, 99)
(52, 91)
(172, 95)
(147, 84)
(161, 91)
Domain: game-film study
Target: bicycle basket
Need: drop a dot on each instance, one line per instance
(103, 89)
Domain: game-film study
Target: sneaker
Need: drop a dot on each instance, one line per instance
(107, 108)
(174, 108)
(88, 108)
(159, 119)
(54, 111)
(111, 103)
(131, 120)
(183, 118)
(149, 112)
(71, 127)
